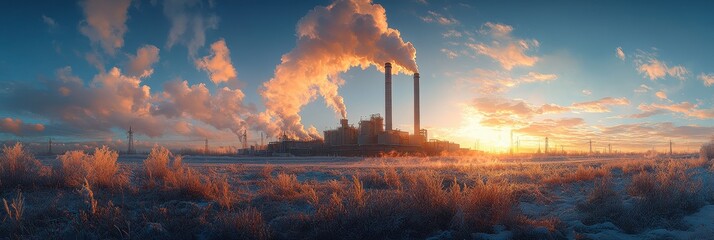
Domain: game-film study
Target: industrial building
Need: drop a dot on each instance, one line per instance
(372, 136)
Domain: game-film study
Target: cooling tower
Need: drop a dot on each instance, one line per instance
(388, 96)
(416, 104)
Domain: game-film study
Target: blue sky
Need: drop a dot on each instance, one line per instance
(564, 56)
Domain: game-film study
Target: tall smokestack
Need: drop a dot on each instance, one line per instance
(416, 104)
(388, 96)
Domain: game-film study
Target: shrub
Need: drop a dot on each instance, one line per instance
(246, 224)
(100, 169)
(164, 169)
(19, 167)
(603, 203)
(663, 196)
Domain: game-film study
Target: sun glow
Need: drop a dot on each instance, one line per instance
(472, 134)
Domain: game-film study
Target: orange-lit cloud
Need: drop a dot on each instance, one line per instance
(619, 53)
(218, 63)
(222, 110)
(504, 49)
(140, 64)
(707, 79)
(491, 81)
(661, 95)
(686, 108)
(652, 68)
(601, 105)
(19, 128)
(105, 22)
(331, 40)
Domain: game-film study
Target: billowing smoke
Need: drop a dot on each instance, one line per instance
(331, 40)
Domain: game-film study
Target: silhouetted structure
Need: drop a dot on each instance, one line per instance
(130, 144)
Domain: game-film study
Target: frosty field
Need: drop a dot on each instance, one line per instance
(161, 196)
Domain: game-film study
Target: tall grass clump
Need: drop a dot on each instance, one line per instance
(246, 224)
(166, 171)
(18, 167)
(603, 203)
(99, 169)
(663, 197)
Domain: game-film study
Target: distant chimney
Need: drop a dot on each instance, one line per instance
(344, 123)
(417, 126)
(388, 96)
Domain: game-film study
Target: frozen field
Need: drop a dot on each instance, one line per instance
(482, 197)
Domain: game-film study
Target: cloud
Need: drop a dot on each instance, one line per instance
(499, 112)
(105, 22)
(643, 89)
(19, 128)
(708, 79)
(539, 77)
(218, 64)
(649, 66)
(601, 105)
(492, 82)
(114, 100)
(620, 54)
(222, 110)
(586, 92)
(661, 95)
(550, 127)
(450, 54)
(451, 34)
(685, 108)
(506, 50)
(332, 40)
(110, 100)
(140, 64)
(188, 24)
(438, 18)
(51, 23)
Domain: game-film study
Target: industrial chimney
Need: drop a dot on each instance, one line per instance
(416, 104)
(388, 96)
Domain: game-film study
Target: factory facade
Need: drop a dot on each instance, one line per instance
(372, 136)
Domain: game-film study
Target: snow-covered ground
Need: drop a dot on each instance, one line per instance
(554, 197)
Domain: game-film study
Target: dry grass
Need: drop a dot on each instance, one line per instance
(19, 168)
(706, 152)
(581, 174)
(99, 169)
(15, 209)
(165, 170)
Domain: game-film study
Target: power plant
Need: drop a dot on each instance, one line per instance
(373, 136)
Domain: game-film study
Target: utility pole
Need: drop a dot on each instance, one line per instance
(49, 147)
(670, 147)
(591, 146)
(518, 144)
(130, 136)
(609, 148)
(261, 141)
(205, 147)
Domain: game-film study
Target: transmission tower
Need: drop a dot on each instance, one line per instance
(591, 146)
(130, 136)
(670, 147)
(205, 147)
(546, 145)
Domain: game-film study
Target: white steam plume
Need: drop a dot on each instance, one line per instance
(331, 40)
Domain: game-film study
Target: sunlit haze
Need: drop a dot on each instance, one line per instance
(495, 75)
